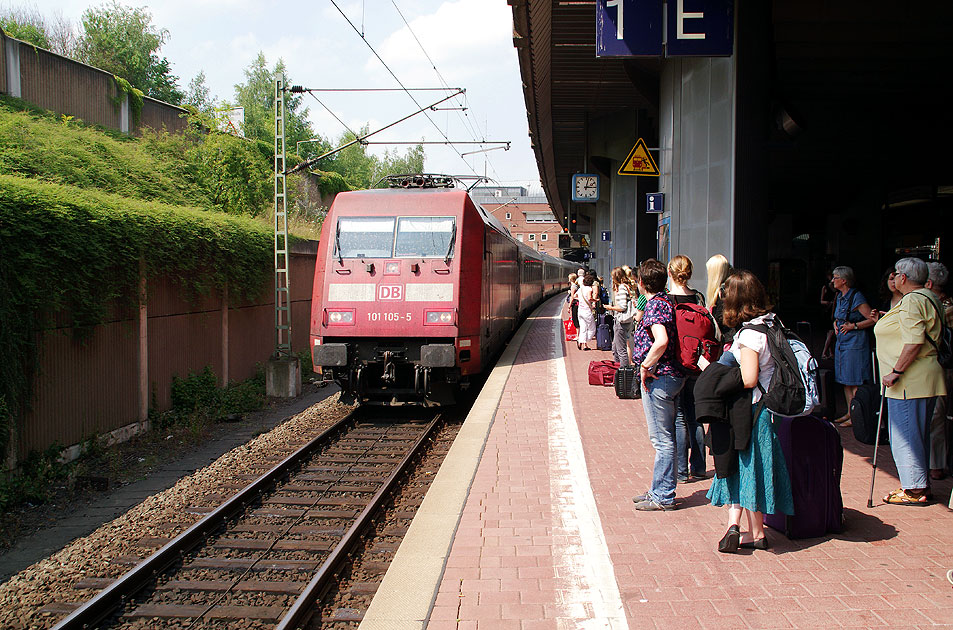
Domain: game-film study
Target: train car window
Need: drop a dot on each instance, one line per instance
(365, 237)
(424, 237)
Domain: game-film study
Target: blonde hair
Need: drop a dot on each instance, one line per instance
(717, 268)
(680, 269)
(630, 276)
(572, 278)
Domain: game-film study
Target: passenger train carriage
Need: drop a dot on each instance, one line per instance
(416, 289)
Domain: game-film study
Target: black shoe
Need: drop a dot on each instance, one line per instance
(729, 543)
(761, 543)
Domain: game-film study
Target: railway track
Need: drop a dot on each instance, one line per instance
(265, 556)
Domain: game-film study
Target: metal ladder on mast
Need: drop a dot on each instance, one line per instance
(282, 276)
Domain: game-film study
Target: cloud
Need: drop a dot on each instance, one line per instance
(465, 40)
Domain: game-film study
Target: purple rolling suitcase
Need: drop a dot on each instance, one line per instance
(814, 455)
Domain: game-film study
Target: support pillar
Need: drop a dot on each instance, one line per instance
(283, 377)
(225, 335)
(143, 345)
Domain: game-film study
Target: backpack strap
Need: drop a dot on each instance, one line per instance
(939, 315)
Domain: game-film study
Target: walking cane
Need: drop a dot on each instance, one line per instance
(873, 472)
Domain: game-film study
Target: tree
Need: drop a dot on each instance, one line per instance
(362, 169)
(198, 95)
(411, 162)
(257, 96)
(123, 40)
(56, 33)
(26, 25)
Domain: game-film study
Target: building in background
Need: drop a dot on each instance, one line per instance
(528, 218)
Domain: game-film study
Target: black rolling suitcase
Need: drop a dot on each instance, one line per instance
(863, 415)
(604, 332)
(815, 458)
(864, 409)
(627, 382)
(825, 386)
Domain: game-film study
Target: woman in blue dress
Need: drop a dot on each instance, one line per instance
(852, 366)
(760, 484)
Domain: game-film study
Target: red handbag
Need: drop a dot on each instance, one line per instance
(602, 372)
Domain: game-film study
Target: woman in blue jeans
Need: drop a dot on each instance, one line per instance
(661, 380)
(689, 434)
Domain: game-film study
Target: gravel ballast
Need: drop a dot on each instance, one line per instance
(162, 515)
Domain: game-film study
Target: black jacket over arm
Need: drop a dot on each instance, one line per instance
(722, 402)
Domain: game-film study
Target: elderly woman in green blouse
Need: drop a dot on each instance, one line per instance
(912, 377)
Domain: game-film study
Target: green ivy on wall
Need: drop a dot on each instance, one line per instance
(75, 251)
(123, 89)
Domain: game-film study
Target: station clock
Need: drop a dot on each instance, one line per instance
(585, 187)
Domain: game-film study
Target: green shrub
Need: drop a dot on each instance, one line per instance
(307, 367)
(235, 177)
(36, 480)
(197, 398)
(44, 148)
(197, 391)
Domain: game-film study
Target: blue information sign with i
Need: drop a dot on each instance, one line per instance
(655, 203)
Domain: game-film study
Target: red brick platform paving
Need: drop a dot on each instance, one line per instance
(519, 560)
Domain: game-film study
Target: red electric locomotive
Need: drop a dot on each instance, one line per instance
(416, 288)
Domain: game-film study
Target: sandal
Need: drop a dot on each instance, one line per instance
(900, 497)
(843, 420)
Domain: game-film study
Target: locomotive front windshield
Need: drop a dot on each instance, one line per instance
(365, 237)
(424, 237)
(376, 237)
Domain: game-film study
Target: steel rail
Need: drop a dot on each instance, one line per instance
(143, 574)
(302, 608)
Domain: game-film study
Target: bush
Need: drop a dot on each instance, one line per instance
(198, 398)
(36, 479)
(234, 176)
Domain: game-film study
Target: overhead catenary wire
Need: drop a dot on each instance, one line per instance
(465, 117)
(297, 89)
(361, 139)
(328, 110)
(400, 83)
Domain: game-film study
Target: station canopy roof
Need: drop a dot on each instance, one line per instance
(564, 83)
(858, 77)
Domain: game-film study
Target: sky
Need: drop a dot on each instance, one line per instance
(469, 41)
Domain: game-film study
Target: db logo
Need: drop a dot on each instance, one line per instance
(390, 292)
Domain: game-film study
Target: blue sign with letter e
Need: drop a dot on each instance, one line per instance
(628, 28)
(655, 203)
(699, 27)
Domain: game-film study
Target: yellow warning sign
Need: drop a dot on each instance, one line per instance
(639, 162)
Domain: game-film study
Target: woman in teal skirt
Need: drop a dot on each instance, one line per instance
(761, 484)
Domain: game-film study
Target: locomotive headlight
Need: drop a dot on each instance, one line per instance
(440, 317)
(392, 268)
(341, 317)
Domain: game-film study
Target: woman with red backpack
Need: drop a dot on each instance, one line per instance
(689, 434)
